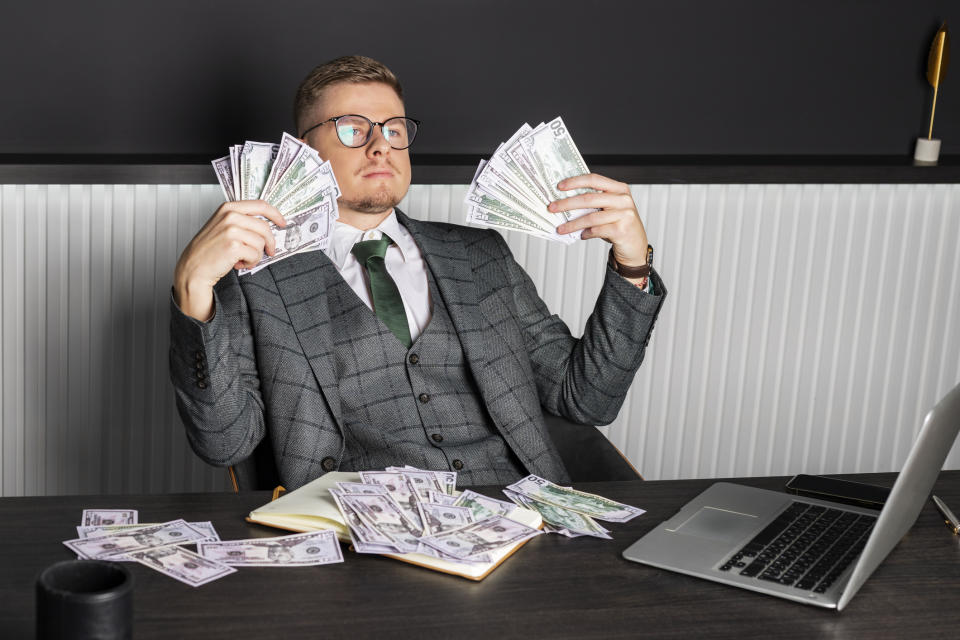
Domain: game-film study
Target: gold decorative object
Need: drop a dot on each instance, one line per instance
(937, 66)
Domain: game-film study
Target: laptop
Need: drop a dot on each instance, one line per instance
(803, 549)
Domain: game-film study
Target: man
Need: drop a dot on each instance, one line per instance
(452, 376)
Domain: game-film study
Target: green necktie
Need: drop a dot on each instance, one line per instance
(387, 303)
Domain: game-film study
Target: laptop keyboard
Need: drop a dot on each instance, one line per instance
(806, 547)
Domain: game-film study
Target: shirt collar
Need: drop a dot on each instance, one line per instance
(344, 237)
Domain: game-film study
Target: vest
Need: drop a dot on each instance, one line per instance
(420, 406)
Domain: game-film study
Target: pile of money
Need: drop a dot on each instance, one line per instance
(567, 511)
(293, 178)
(115, 535)
(409, 510)
(512, 190)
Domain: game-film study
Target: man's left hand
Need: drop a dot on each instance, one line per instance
(617, 220)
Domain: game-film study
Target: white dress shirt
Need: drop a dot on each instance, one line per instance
(404, 263)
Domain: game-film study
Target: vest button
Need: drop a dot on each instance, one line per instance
(328, 464)
(457, 464)
(414, 358)
(436, 437)
(424, 398)
(201, 384)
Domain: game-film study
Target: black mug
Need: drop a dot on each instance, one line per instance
(85, 599)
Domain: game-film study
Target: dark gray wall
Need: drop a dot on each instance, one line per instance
(679, 77)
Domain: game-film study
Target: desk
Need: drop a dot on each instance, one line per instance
(553, 587)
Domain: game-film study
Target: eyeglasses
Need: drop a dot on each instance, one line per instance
(355, 131)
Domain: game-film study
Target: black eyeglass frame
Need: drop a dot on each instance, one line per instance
(370, 132)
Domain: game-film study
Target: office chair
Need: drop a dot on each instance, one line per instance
(587, 454)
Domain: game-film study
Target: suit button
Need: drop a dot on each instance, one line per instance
(457, 464)
(201, 384)
(414, 358)
(201, 375)
(437, 437)
(424, 398)
(328, 464)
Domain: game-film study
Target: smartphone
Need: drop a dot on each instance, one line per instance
(845, 491)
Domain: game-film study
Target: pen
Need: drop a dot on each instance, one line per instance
(951, 519)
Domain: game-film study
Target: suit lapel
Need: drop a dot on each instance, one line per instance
(302, 282)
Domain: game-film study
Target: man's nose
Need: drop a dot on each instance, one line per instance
(378, 142)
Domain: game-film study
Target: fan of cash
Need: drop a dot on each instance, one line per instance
(293, 178)
(512, 190)
(406, 510)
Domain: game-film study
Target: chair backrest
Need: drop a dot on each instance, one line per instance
(586, 453)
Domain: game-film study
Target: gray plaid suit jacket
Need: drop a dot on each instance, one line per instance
(263, 366)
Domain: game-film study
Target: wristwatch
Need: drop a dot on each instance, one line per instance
(642, 271)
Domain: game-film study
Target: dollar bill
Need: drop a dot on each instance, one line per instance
(365, 537)
(446, 480)
(95, 531)
(302, 549)
(512, 190)
(256, 158)
(383, 515)
(221, 167)
(437, 497)
(563, 521)
(183, 565)
(400, 490)
(481, 537)
(438, 518)
(293, 178)
(589, 504)
(175, 532)
(104, 517)
(482, 506)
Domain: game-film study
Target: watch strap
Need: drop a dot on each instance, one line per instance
(641, 271)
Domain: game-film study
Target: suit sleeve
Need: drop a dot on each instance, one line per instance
(215, 380)
(586, 380)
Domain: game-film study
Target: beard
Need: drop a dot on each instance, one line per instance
(383, 200)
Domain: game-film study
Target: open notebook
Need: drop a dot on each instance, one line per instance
(311, 508)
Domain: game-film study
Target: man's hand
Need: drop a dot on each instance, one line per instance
(617, 220)
(233, 237)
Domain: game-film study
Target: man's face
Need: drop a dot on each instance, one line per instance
(372, 178)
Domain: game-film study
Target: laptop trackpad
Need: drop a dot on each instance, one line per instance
(718, 524)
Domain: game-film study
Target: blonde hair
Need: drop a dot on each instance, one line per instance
(354, 69)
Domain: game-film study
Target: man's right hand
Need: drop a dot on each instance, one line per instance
(233, 238)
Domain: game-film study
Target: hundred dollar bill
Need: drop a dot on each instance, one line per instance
(563, 521)
(103, 517)
(183, 565)
(482, 506)
(167, 533)
(586, 503)
(256, 158)
(478, 538)
(302, 549)
(438, 518)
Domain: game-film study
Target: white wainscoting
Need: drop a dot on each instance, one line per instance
(808, 328)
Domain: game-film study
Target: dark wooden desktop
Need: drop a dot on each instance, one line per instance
(553, 587)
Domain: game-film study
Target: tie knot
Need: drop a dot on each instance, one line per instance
(366, 249)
